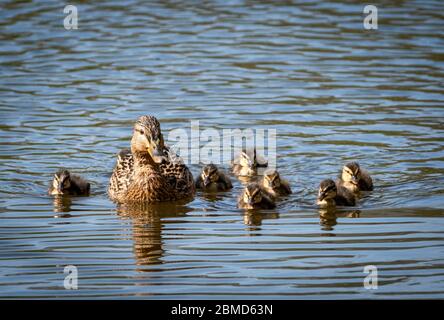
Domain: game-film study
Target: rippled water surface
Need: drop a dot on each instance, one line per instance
(333, 91)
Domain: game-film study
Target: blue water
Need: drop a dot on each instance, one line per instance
(333, 91)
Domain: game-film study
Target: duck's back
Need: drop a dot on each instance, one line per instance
(121, 175)
(344, 197)
(366, 182)
(178, 175)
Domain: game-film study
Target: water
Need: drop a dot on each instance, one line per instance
(333, 91)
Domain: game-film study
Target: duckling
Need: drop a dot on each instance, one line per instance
(149, 172)
(355, 179)
(65, 183)
(253, 197)
(274, 185)
(212, 179)
(330, 195)
(247, 165)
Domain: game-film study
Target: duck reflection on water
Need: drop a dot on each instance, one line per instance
(147, 224)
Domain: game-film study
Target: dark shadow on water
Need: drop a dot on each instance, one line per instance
(147, 224)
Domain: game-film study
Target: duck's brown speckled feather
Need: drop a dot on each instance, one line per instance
(172, 180)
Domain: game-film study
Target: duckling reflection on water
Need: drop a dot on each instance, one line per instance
(254, 219)
(328, 216)
(150, 172)
(274, 185)
(253, 197)
(247, 164)
(355, 179)
(212, 179)
(65, 183)
(62, 205)
(331, 194)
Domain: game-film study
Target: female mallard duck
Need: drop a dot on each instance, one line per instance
(274, 185)
(65, 183)
(331, 194)
(355, 179)
(253, 197)
(247, 164)
(149, 172)
(212, 179)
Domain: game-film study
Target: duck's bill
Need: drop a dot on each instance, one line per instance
(156, 154)
(251, 203)
(206, 181)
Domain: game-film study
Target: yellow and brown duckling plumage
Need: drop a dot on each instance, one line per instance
(212, 179)
(149, 172)
(65, 183)
(355, 179)
(247, 164)
(330, 194)
(254, 197)
(274, 185)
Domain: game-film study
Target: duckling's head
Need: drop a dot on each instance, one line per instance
(147, 138)
(209, 174)
(351, 173)
(272, 179)
(327, 190)
(61, 182)
(252, 194)
(246, 161)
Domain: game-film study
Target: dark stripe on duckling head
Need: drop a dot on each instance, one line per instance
(62, 174)
(353, 167)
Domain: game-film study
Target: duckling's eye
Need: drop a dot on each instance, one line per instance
(141, 131)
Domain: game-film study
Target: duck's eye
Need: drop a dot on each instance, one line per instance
(141, 131)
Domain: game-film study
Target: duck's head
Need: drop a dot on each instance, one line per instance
(252, 194)
(61, 182)
(147, 138)
(209, 174)
(246, 161)
(327, 190)
(351, 173)
(272, 179)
